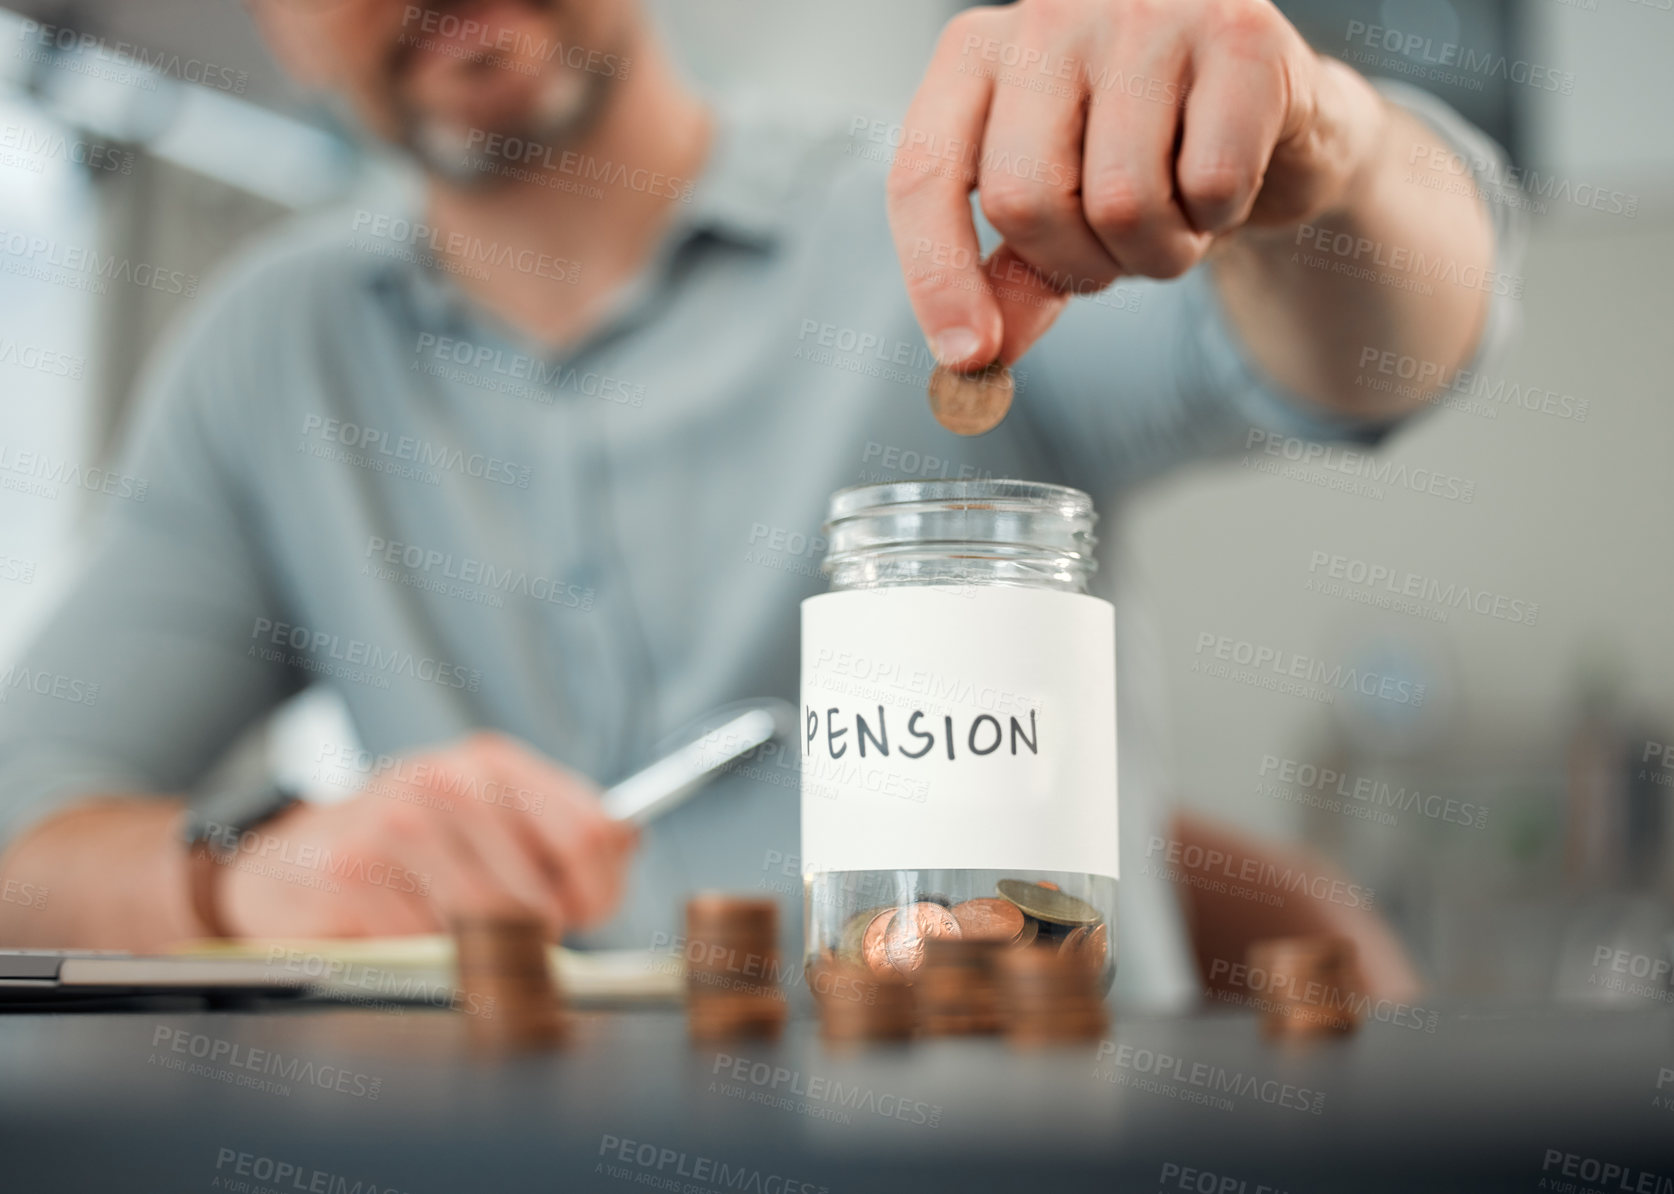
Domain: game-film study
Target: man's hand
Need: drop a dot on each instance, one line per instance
(483, 825)
(1108, 138)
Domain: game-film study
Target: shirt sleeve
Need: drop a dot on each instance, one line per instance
(1148, 375)
(146, 670)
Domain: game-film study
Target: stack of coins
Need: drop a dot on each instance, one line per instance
(506, 983)
(1308, 985)
(732, 968)
(1048, 996)
(957, 993)
(857, 1005)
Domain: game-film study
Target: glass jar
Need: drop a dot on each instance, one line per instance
(958, 737)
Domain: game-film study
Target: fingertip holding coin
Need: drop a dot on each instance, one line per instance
(971, 403)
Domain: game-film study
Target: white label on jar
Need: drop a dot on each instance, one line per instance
(958, 727)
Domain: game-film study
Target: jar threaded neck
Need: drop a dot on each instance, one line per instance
(960, 532)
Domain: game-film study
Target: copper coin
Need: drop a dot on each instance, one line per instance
(1031, 930)
(1090, 943)
(712, 912)
(857, 1005)
(1097, 946)
(1297, 1022)
(1049, 885)
(989, 919)
(1076, 942)
(908, 928)
(1296, 967)
(970, 403)
(1312, 955)
(872, 950)
(854, 932)
(501, 945)
(728, 1017)
(503, 969)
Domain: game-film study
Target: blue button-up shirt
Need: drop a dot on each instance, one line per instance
(351, 476)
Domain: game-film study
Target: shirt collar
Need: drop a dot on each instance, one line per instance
(745, 194)
(746, 189)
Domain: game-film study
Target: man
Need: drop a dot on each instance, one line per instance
(531, 472)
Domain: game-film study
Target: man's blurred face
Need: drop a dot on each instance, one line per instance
(441, 77)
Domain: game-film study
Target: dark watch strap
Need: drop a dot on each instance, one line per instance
(210, 832)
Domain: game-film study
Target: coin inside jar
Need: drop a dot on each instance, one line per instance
(989, 919)
(1048, 904)
(1097, 946)
(1075, 942)
(1089, 942)
(971, 403)
(872, 950)
(904, 940)
(850, 944)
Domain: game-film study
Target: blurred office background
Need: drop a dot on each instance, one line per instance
(1553, 727)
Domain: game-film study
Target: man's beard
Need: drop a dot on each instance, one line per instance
(459, 155)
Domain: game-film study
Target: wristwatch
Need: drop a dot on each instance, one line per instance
(210, 832)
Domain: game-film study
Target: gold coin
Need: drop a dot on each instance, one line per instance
(1045, 903)
(971, 403)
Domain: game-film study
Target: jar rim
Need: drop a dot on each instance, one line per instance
(878, 496)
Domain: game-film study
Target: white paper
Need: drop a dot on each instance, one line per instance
(1028, 677)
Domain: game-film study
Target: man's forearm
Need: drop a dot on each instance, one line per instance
(114, 874)
(1398, 266)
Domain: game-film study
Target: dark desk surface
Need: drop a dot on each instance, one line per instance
(349, 1101)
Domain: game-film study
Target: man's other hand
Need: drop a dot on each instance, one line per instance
(480, 826)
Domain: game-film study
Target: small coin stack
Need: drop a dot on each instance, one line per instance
(1048, 996)
(957, 992)
(857, 1005)
(732, 968)
(1308, 984)
(505, 977)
